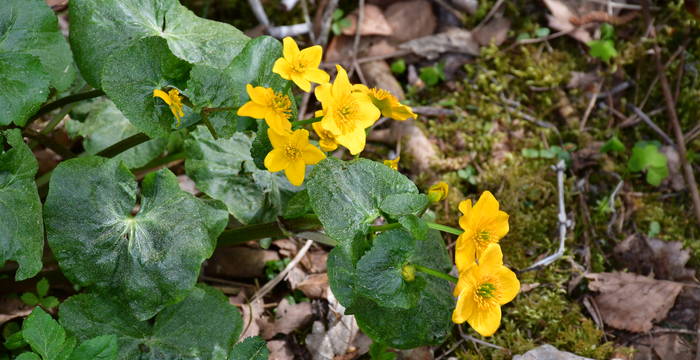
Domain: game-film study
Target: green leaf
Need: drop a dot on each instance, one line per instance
(346, 197)
(30, 27)
(100, 28)
(378, 272)
(105, 126)
(647, 157)
(21, 225)
(211, 87)
(24, 86)
(42, 287)
(30, 299)
(428, 323)
(654, 229)
(298, 205)
(261, 145)
(224, 170)
(404, 204)
(67, 348)
(252, 348)
(99, 243)
(99, 348)
(15, 341)
(203, 326)
(416, 226)
(430, 75)
(28, 356)
(378, 351)
(130, 76)
(542, 32)
(613, 145)
(398, 66)
(602, 49)
(43, 334)
(49, 302)
(607, 31)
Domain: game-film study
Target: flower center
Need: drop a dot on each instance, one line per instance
(486, 290)
(345, 115)
(482, 238)
(291, 152)
(281, 103)
(298, 65)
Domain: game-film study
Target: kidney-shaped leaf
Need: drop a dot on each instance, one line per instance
(21, 225)
(148, 260)
(99, 28)
(224, 170)
(24, 86)
(203, 326)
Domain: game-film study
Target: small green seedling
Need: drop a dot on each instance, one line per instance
(432, 75)
(614, 145)
(340, 22)
(647, 157)
(604, 49)
(40, 298)
(398, 66)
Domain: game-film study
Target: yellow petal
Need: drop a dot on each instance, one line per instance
(277, 139)
(487, 204)
(312, 155)
(301, 82)
(163, 95)
(261, 95)
(508, 285)
(312, 56)
(295, 172)
(317, 75)
(360, 88)
(341, 85)
(328, 123)
(323, 94)
(327, 144)
(290, 49)
(465, 252)
(354, 141)
(465, 206)
(492, 257)
(486, 319)
(276, 160)
(466, 277)
(282, 68)
(496, 225)
(465, 305)
(299, 139)
(253, 110)
(400, 112)
(367, 113)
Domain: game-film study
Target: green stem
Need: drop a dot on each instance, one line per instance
(437, 274)
(306, 122)
(444, 228)
(124, 145)
(159, 162)
(377, 228)
(269, 230)
(57, 118)
(65, 101)
(205, 119)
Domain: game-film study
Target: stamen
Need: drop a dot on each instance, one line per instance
(292, 152)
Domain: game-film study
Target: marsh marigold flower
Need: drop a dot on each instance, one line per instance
(346, 114)
(300, 66)
(291, 152)
(387, 103)
(481, 291)
(483, 224)
(173, 99)
(438, 192)
(266, 104)
(394, 164)
(326, 138)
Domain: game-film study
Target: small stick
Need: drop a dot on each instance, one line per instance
(564, 222)
(652, 125)
(591, 105)
(327, 20)
(277, 279)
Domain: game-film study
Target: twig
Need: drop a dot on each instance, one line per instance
(307, 19)
(327, 20)
(259, 12)
(356, 41)
(564, 222)
(677, 131)
(591, 105)
(451, 350)
(458, 14)
(277, 279)
(491, 13)
(652, 125)
(480, 342)
(692, 134)
(611, 205)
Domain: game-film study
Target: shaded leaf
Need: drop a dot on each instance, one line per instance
(99, 243)
(24, 86)
(646, 156)
(252, 348)
(261, 145)
(43, 334)
(103, 347)
(404, 204)
(416, 226)
(28, 356)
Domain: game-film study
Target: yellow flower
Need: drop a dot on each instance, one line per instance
(481, 291)
(326, 138)
(483, 224)
(173, 99)
(291, 152)
(266, 104)
(394, 164)
(346, 113)
(300, 66)
(438, 192)
(387, 103)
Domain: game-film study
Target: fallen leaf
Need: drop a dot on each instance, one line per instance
(494, 32)
(632, 302)
(419, 353)
(239, 262)
(315, 261)
(288, 317)
(295, 276)
(671, 346)
(337, 339)
(288, 248)
(314, 286)
(686, 310)
(373, 22)
(12, 308)
(410, 19)
(187, 184)
(675, 178)
(453, 40)
(548, 352)
(560, 19)
(665, 259)
(279, 350)
(251, 312)
(378, 74)
(382, 48)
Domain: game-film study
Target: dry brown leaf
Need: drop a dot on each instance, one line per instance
(315, 262)
(373, 22)
(314, 286)
(560, 19)
(671, 346)
(288, 248)
(665, 259)
(410, 19)
(12, 308)
(632, 302)
(494, 32)
(187, 184)
(338, 338)
(279, 350)
(288, 318)
(250, 312)
(675, 176)
(453, 40)
(382, 48)
(239, 262)
(548, 352)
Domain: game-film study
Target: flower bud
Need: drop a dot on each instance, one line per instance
(408, 272)
(438, 192)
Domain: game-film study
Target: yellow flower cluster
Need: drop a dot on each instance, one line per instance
(484, 282)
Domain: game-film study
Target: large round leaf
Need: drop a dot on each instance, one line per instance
(24, 86)
(130, 77)
(216, 88)
(100, 28)
(21, 225)
(30, 27)
(150, 259)
(203, 326)
(224, 170)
